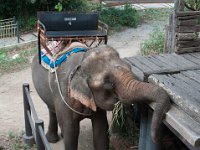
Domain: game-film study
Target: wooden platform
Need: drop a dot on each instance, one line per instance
(179, 75)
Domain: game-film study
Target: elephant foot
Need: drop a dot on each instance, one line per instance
(52, 137)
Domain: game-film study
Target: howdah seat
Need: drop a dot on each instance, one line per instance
(85, 28)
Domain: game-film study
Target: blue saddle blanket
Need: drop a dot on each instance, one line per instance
(52, 64)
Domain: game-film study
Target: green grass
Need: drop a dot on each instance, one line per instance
(9, 64)
(154, 44)
(14, 141)
(155, 14)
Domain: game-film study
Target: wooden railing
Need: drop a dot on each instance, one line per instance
(34, 127)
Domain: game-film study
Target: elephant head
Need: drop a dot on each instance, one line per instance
(104, 79)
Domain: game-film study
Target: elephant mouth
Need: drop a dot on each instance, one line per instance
(113, 105)
(109, 106)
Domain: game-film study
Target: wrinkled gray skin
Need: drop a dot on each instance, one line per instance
(101, 80)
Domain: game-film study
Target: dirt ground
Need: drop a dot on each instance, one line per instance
(127, 43)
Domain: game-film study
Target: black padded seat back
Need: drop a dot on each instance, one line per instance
(63, 21)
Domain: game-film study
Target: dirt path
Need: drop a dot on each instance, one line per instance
(11, 104)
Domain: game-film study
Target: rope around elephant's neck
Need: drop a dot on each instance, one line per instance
(60, 92)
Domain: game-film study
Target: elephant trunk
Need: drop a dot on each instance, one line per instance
(130, 91)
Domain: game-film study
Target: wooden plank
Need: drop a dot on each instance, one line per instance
(164, 59)
(186, 18)
(192, 74)
(197, 55)
(187, 37)
(178, 94)
(165, 63)
(161, 63)
(188, 44)
(179, 62)
(185, 88)
(191, 58)
(188, 13)
(195, 85)
(187, 29)
(181, 50)
(174, 88)
(197, 72)
(140, 65)
(144, 60)
(190, 22)
(169, 63)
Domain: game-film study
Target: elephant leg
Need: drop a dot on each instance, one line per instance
(52, 133)
(70, 130)
(100, 131)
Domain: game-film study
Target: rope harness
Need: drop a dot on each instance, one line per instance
(68, 90)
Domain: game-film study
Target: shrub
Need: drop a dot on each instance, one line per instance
(28, 25)
(116, 18)
(154, 44)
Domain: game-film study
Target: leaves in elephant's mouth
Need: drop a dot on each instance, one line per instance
(118, 118)
(123, 123)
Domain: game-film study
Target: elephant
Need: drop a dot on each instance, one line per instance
(91, 83)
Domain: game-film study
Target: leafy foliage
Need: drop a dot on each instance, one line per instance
(193, 5)
(123, 122)
(59, 7)
(116, 18)
(154, 44)
(27, 25)
(72, 5)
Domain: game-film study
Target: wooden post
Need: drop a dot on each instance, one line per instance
(17, 24)
(39, 142)
(28, 136)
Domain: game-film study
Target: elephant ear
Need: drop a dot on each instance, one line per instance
(80, 91)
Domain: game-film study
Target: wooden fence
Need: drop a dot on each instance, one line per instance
(34, 127)
(9, 28)
(183, 31)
